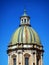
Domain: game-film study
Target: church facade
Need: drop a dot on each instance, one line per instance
(25, 47)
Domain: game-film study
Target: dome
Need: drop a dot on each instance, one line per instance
(25, 34)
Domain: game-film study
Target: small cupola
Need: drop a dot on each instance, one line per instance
(25, 19)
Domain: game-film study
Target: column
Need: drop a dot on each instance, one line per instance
(35, 58)
(9, 60)
(17, 59)
(20, 58)
(41, 59)
(30, 59)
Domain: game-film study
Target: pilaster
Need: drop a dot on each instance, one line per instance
(35, 58)
(41, 59)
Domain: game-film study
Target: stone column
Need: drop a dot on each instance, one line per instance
(9, 60)
(20, 58)
(41, 59)
(35, 58)
(31, 59)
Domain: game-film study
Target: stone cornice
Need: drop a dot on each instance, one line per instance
(9, 50)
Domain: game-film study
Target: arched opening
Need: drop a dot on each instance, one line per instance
(38, 60)
(14, 59)
(26, 58)
(24, 20)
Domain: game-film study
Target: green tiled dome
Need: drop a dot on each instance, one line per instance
(25, 34)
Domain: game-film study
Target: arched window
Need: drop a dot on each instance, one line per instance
(14, 61)
(38, 58)
(26, 61)
(24, 20)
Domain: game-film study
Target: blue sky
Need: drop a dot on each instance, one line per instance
(11, 10)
